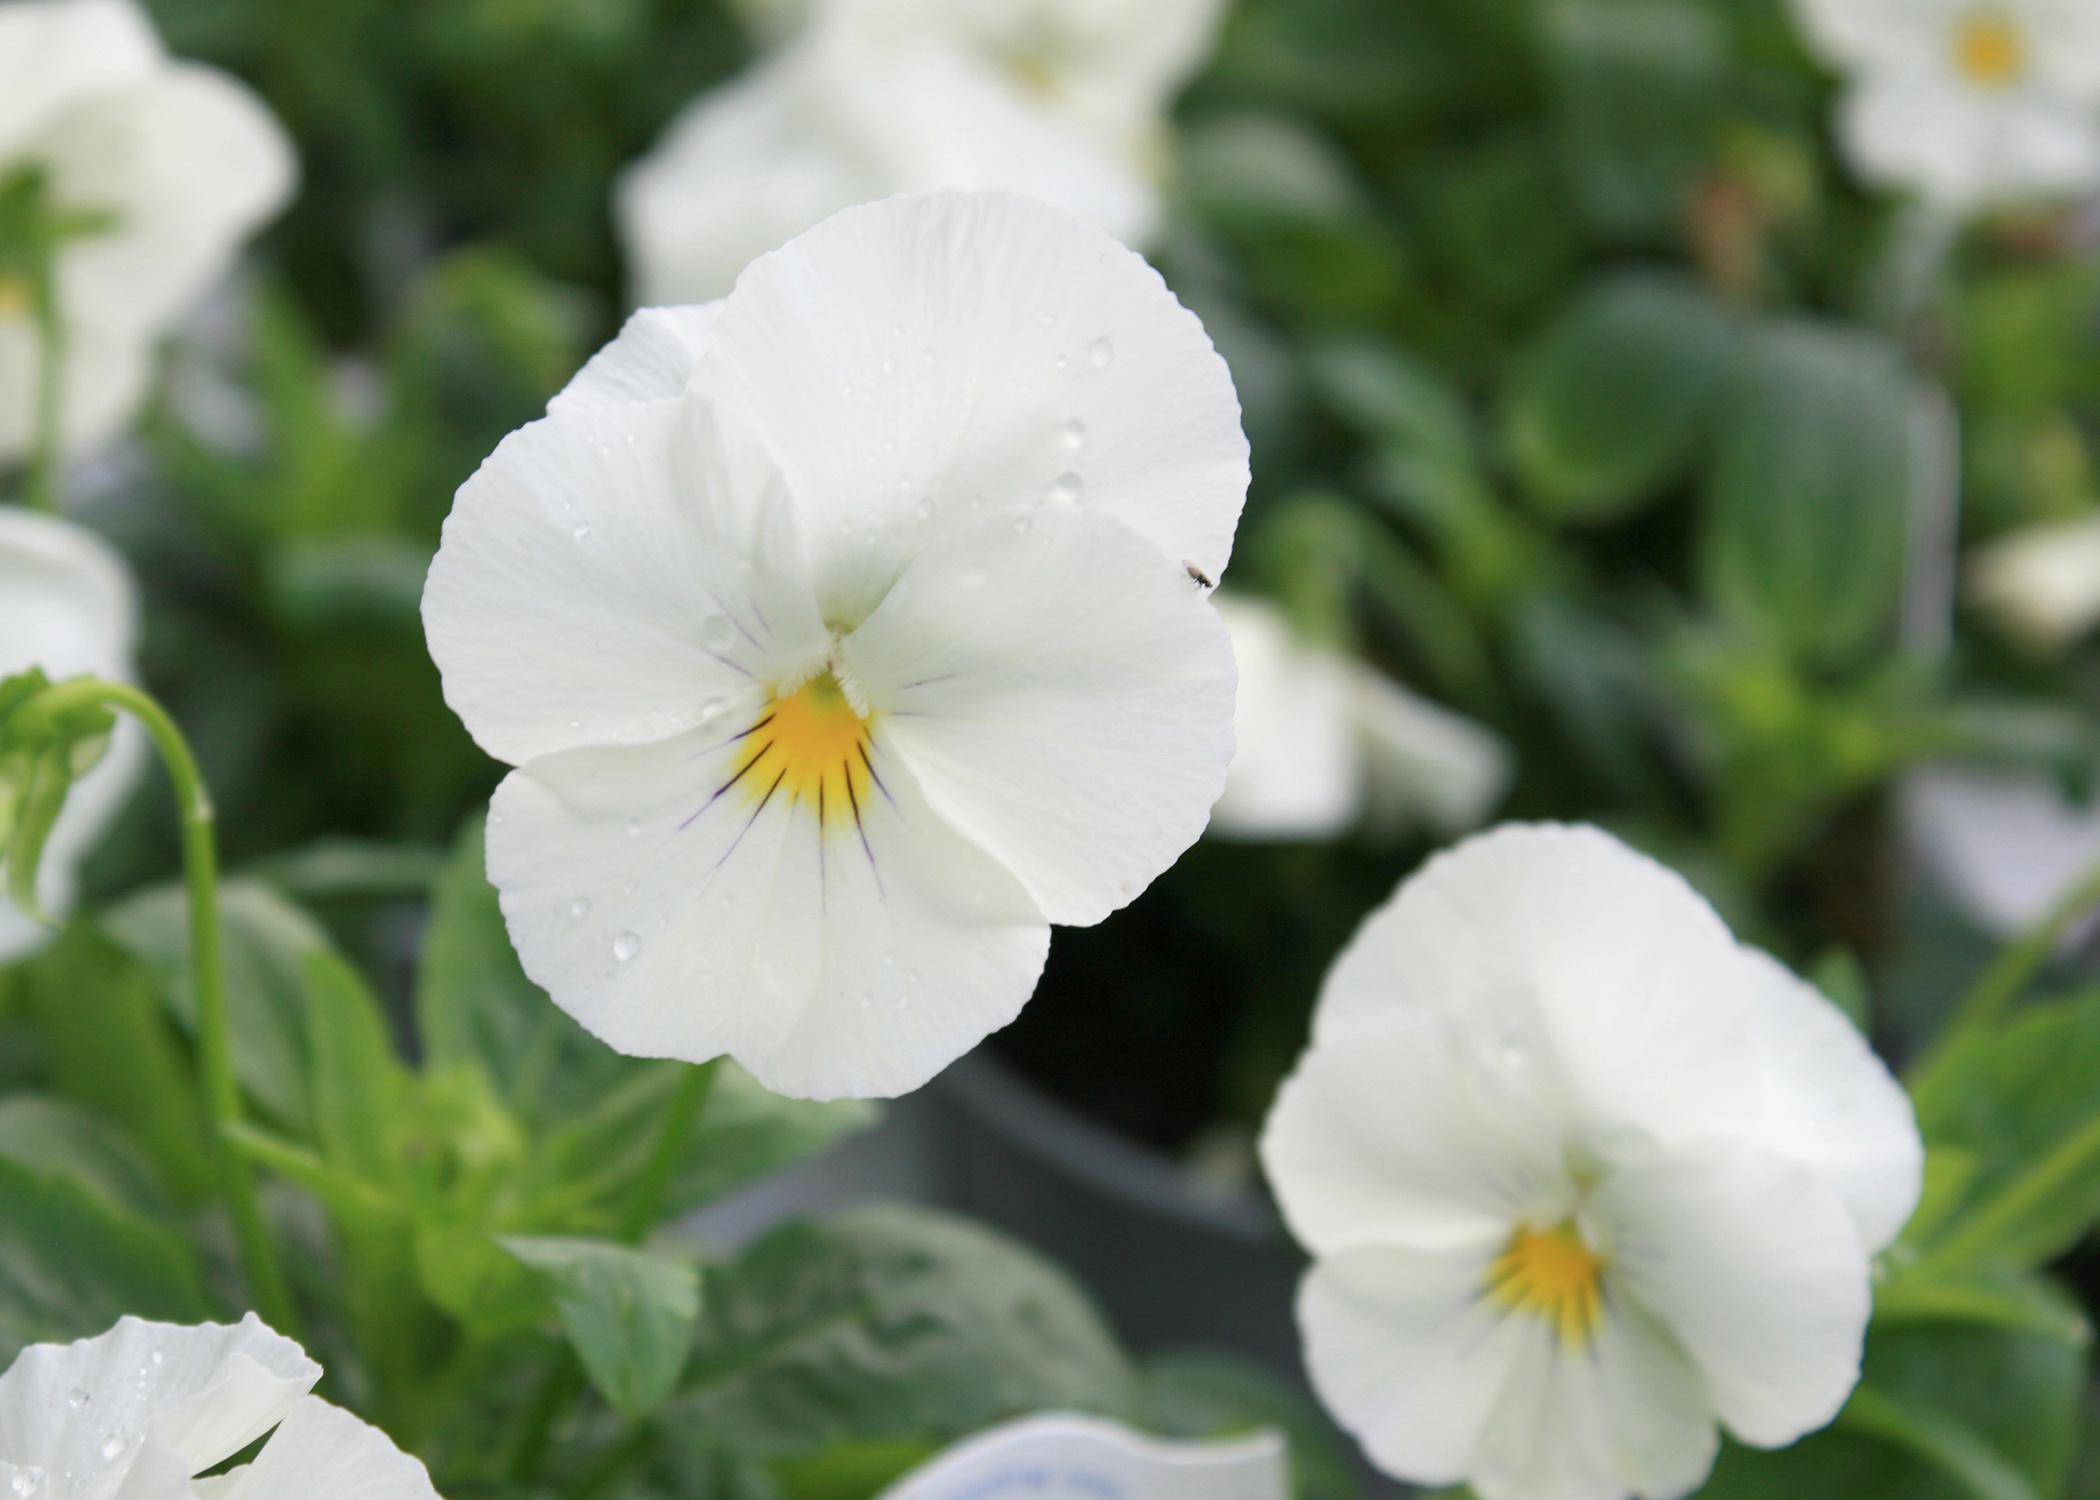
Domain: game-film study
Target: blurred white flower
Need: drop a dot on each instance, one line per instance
(1581, 1177)
(843, 636)
(162, 167)
(1969, 103)
(1061, 100)
(2042, 582)
(1321, 740)
(144, 1408)
(67, 605)
(2005, 847)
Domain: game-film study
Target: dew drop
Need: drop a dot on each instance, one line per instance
(1067, 488)
(158, 1358)
(111, 1447)
(580, 530)
(1072, 436)
(1049, 320)
(76, 1398)
(717, 633)
(1020, 525)
(711, 710)
(580, 908)
(26, 1482)
(1100, 352)
(626, 946)
(634, 828)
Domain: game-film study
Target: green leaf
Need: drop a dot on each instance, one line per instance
(476, 1281)
(110, 1048)
(2014, 1099)
(268, 942)
(72, 1262)
(43, 1134)
(886, 1325)
(629, 1314)
(359, 1087)
(351, 869)
(1632, 88)
(1808, 507)
(1614, 400)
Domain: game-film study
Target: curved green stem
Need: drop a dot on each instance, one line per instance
(675, 1129)
(200, 862)
(2002, 982)
(47, 456)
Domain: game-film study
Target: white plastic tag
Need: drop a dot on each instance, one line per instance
(1060, 1457)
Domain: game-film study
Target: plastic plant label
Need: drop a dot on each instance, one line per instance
(1062, 1457)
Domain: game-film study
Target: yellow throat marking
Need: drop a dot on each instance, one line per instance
(810, 746)
(1552, 1274)
(1988, 50)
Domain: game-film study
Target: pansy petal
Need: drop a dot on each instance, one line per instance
(1399, 1137)
(203, 1392)
(613, 575)
(652, 359)
(323, 1453)
(679, 905)
(1297, 762)
(1407, 1355)
(958, 355)
(106, 377)
(1755, 1267)
(1563, 941)
(1064, 694)
(189, 162)
(56, 52)
(1833, 1105)
(68, 606)
(1423, 764)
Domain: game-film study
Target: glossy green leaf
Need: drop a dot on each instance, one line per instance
(628, 1313)
(1616, 398)
(887, 1325)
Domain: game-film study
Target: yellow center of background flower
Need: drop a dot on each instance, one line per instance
(14, 296)
(1988, 50)
(1553, 1274)
(811, 747)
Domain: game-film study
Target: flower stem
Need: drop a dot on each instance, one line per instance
(2002, 981)
(47, 457)
(200, 861)
(695, 1085)
(1989, 1226)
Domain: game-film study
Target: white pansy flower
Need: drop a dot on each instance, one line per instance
(1058, 101)
(143, 1409)
(844, 639)
(1581, 1177)
(1969, 103)
(2006, 847)
(2042, 582)
(1320, 740)
(68, 606)
(164, 168)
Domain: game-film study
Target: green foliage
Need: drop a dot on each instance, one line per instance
(629, 1314)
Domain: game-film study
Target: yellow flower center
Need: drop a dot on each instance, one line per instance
(1554, 1275)
(811, 746)
(1988, 50)
(14, 296)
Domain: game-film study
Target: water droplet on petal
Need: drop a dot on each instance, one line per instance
(580, 530)
(1072, 436)
(626, 946)
(634, 828)
(111, 1447)
(1067, 488)
(26, 1482)
(718, 633)
(580, 908)
(1020, 525)
(76, 1398)
(1100, 352)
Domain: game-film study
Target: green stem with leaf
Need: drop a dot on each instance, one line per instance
(200, 860)
(47, 457)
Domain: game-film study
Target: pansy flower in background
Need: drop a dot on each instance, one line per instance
(129, 179)
(68, 607)
(1582, 1177)
(1324, 742)
(1968, 103)
(1062, 100)
(846, 635)
(144, 1408)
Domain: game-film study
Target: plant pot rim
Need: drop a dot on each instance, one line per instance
(1001, 1099)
